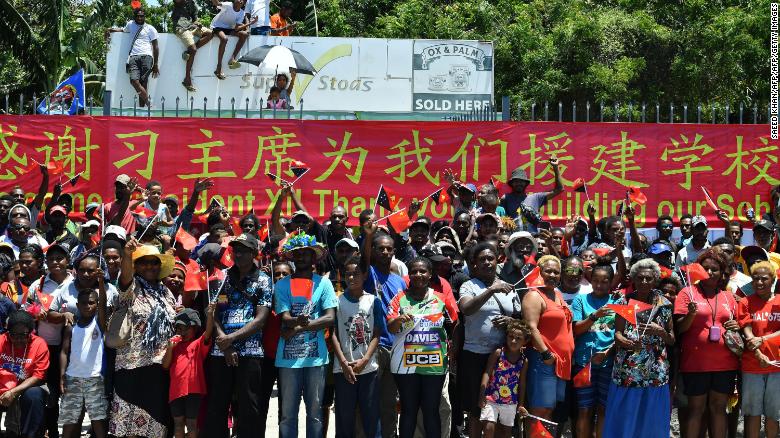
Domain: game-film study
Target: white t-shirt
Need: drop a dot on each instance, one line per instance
(50, 332)
(142, 44)
(259, 9)
(86, 351)
(227, 18)
(356, 322)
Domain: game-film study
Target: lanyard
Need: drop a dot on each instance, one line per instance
(715, 309)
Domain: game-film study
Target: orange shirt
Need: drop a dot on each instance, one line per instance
(277, 22)
(764, 318)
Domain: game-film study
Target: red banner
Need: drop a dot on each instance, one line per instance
(350, 159)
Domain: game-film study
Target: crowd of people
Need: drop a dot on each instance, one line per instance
(156, 320)
(235, 18)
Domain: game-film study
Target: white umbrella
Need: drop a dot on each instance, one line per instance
(278, 59)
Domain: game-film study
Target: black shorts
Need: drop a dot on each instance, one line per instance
(722, 382)
(227, 31)
(470, 368)
(187, 406)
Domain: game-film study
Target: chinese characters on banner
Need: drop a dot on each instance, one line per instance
(350, 159)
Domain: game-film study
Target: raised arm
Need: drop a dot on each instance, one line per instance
(276, 212)
(558, 182)
(636, 244)
(37, 202)
(126, 275)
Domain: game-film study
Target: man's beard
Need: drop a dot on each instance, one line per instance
(517, 260)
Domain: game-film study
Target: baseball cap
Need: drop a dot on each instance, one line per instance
(91, 223)
(698, 219)
(763, 223)
(123, 179)
(246, 240)
(433, 253)
(659, 248)
(752, 253)
(446, 248)
(470, 187)
(300, 213)
(347, 241)
(422, 221)
(58, 209)
(117, 231)
(187, 317)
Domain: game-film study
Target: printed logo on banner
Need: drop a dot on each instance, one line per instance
(452, 76)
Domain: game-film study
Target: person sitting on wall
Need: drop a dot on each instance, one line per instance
(187, 27)
(229, 21)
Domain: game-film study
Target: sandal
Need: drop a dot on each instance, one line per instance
(220, 76)
(191, 88)
(234, 64)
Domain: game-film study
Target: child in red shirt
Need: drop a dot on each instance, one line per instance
(184, 358)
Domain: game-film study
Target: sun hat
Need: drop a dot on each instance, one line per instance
(517, 235)
(301, 241)
(187, 317)
(166, 260)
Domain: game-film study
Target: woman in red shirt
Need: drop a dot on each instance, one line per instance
(24, 358)
(759, 317)
(703, 313)
(549, 363)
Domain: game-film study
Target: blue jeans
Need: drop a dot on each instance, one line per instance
(292, 383)
(363, 393)
(260, 30)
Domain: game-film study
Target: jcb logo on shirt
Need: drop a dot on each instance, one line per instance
(422, 359)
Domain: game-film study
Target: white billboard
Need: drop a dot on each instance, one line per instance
(354, 74)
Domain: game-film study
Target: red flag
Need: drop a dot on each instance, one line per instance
(496, 183)
(298, 168)
(565, 247)
(639, 306)
(227, 257)
(23, 170)
(387, 199)
(530, 259)
(44, 299)
(195, 280)
(603, 251)
(400, 221)
(144, 212)
(236, 226)
(582, 378)
(538, 430)
(262, 233)
(627, 312)
(636, 195)
(708, 197)
(534, 278)
(55, 167)
(666, 272)
(695, 272)
(440, 196)
(186, 239)
(579, 186)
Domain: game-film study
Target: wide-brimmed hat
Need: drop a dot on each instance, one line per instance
(166, 260)
(301, 241)
(517, 235)
(519, 174)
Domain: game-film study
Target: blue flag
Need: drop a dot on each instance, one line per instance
(67, 98)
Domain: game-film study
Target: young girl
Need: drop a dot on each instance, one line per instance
(273, 99)
(355, 340)
(503, 383)
(184, 357)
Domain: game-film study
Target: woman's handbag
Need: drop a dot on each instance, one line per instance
(120, 325)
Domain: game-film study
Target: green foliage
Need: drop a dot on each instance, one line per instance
(611, 50)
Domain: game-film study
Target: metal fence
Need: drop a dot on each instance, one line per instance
(511, 109)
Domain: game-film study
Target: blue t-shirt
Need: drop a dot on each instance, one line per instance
(236, 308)
(601, 334)
(388, 285)
(306, 349)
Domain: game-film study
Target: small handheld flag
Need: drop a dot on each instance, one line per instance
(624, 310)
(538, 430)
(582, 378)
(439, 196)
(298, 168)
(399, 220)
(639, 306)
(580, 186)
(187, 241)
(636, 195)
(386, 199)
(695, 272)
(708, 197)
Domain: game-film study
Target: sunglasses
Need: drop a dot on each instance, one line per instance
(20, 228)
